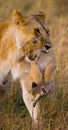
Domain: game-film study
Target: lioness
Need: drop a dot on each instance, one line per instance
(18, 36)
(22, 40)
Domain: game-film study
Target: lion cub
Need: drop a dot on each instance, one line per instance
(40, 80)
(36, 78)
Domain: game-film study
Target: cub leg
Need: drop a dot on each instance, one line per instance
(49, 72)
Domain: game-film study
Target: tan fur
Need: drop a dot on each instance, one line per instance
(21, 37)
(17, 37)
(41, 71)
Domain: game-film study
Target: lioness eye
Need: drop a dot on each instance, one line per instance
(47, 31)
(36, 31)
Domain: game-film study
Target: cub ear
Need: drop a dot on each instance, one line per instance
(16, 15)
(40, 15)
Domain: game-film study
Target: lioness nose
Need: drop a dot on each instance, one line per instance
(34, 85)
(47, 47)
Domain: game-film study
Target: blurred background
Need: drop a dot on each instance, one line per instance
(13, 113)
(56, 8)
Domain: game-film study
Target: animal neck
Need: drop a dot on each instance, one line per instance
(7, 39)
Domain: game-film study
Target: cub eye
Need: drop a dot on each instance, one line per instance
(37, 31)
(34, 85)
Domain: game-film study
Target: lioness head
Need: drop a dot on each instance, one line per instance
(22, 36)
(32, 34)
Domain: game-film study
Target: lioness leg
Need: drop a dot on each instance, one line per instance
(28, 100)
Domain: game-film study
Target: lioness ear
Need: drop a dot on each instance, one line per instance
(40, 15)
(19, 18)
(16, 15)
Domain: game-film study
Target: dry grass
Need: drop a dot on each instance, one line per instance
(13, 113)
